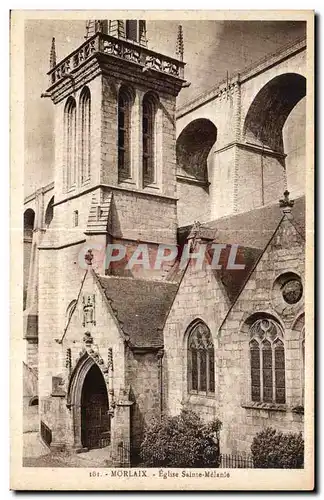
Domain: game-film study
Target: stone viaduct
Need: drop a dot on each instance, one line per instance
(231, 154)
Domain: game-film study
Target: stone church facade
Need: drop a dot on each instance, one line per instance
(112, 348)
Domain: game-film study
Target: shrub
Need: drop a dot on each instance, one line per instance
(274, 449)
(181, 441)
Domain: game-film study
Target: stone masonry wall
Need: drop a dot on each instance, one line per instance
(240, 421)
(202, 296)
(143, 376)
(260, 179)
(143, 217)
(193, 203)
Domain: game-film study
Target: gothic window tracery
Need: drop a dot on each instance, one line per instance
(70, 142)
(148, 132)
(267, 362)
(85, 110)
(124, 143)
(201, 361)
(292, 291)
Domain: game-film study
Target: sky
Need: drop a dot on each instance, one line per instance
(211, 48)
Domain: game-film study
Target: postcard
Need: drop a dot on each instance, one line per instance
(162, 245)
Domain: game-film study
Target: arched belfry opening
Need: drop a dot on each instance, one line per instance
(95, 428)
(193, 147)
(270, 109)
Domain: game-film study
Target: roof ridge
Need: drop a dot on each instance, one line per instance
(128, 278)
(262, 207)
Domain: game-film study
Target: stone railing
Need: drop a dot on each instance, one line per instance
(120, 48)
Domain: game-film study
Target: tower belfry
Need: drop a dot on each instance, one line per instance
(111, 97)
(94, 26)
(130, 29)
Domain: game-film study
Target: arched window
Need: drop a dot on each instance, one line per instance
(124, 129)
(267, 359)
(33, 401)
(70, 142)
(148, 131)
(201, 360)
(85, 109)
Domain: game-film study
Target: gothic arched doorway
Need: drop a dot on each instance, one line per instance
(95, 420)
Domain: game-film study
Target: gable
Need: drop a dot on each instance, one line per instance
(202, 294)
(283, 257)
(91, 314)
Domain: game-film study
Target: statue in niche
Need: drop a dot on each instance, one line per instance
(89, 310)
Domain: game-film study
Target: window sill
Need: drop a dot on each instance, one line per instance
(153, 186)
(201, 398)
(126, 181)
(299, 409)
(265, 406)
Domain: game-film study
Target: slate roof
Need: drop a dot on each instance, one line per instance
(140, 306)
(234, 279)
(251, 229)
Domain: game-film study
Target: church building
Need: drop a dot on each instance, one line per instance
(111, 347)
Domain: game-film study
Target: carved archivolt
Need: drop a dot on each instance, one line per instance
(87, 357)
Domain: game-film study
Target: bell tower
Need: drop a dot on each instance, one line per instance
(115, 134)
(115, 165)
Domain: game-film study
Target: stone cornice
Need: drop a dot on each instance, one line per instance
(116, 188)
(255, 148)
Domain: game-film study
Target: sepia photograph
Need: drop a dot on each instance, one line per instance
(165, 192)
